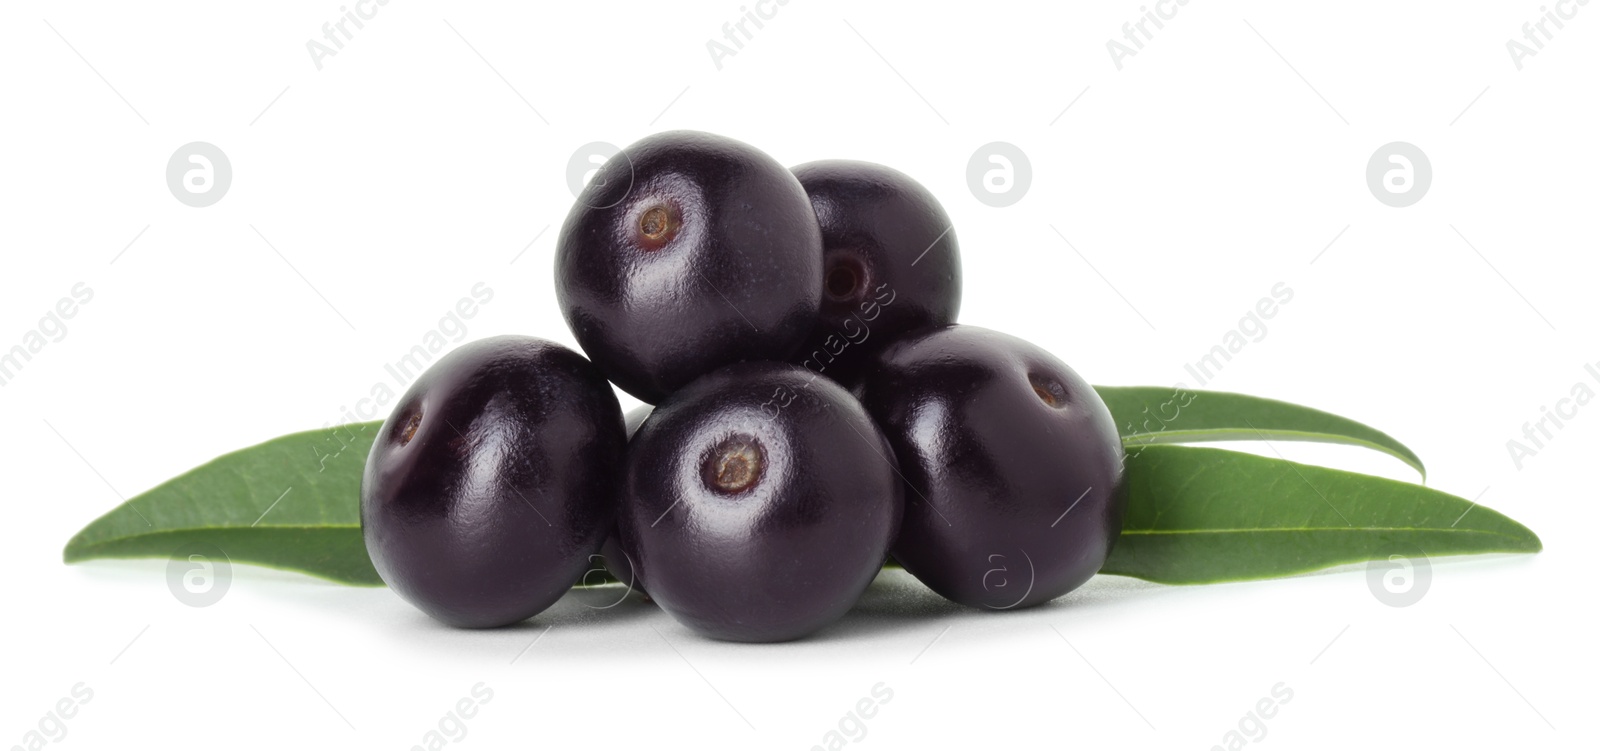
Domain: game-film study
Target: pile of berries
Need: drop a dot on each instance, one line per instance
(815, 410)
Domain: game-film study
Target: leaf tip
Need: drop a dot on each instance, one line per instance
(1535, 545)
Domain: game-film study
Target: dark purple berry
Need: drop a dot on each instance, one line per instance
(890, 263)
(687, 252)
(494, 480)
(759, 502)
(1013, 467)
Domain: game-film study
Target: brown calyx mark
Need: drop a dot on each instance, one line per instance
(735, 465)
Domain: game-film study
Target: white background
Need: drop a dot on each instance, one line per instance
(1188, 183)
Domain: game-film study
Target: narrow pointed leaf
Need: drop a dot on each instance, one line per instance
(291, 503)
(1154, 414)
(1198, 515)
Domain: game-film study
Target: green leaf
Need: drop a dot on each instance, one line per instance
(291, 503)
(1152, 414)
(1195, 514)
(1199, 515)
